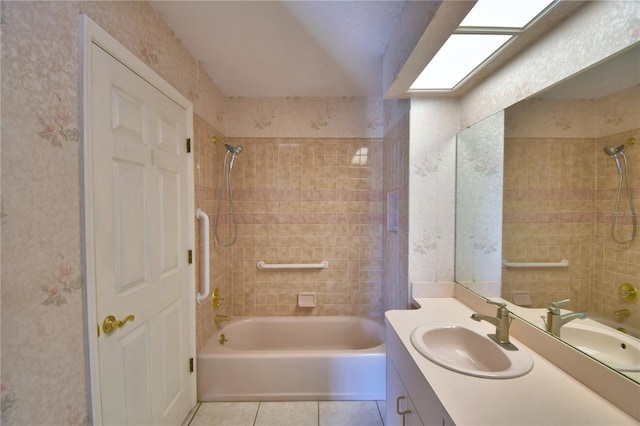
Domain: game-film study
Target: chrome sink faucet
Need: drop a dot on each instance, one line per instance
(502, 321)
(555, 320)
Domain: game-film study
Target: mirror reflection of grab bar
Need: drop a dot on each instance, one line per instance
(322, 265)
(562, 264)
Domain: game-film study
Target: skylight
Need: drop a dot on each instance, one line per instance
(504, 13)
(458, 57)
(488, 27)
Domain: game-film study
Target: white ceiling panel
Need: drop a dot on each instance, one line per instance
(287, 48)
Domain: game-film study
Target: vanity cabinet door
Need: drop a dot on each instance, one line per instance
(400, 408)
(425, 407)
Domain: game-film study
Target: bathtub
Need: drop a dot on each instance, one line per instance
(294, 358)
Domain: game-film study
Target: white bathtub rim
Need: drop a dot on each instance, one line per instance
(213, 348)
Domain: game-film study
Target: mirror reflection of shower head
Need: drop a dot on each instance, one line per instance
(613, 152)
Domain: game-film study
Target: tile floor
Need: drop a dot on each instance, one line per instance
(289, 413)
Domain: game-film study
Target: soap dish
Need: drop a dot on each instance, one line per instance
(306, 299)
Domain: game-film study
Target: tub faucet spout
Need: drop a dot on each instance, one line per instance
(555, 320)
(220, 318)
(502, 321)
(623, 313)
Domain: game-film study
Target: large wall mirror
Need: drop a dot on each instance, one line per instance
(540, 184)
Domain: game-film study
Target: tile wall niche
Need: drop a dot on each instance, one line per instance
(304, 200)
(559, 195)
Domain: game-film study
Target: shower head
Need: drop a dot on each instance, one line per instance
(234, 150)
(613, 152)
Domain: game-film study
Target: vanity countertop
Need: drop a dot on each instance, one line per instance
(545, 396)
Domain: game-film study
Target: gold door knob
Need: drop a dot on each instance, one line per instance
(110, 323)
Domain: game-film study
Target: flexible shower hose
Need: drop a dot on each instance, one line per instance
(228, 169)
(633, 212)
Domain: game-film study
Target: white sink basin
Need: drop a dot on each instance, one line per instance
(616, 349)
(468, 350)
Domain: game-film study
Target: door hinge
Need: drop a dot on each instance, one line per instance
(190, 365)
(190, 257)
(188, 144)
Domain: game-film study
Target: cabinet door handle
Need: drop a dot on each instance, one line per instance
(398, 399)
(401, 413)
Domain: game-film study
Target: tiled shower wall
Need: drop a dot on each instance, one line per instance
(304, 200)
(396, 244)
(560, 192)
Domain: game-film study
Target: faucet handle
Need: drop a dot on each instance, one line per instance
(554, 306)
(502, 307)
(498, 304)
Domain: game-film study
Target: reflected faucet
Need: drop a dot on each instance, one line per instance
(555, 320)
(502, 321)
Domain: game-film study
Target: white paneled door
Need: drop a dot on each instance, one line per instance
(139, 169)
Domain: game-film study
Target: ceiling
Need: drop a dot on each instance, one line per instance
(287, 48)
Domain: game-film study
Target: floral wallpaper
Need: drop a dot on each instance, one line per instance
(43, 331)
(432, 180)
(574, 118)
(590, 34)
(479, 202)
(304, 117)
(42, 319)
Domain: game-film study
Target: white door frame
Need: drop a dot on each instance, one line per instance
(91, 33)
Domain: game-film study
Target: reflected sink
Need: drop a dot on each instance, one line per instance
(616, 349)
(467, 349)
